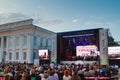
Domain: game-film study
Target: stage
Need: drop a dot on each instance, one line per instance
(77, 62)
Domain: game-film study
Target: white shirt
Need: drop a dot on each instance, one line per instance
(67, 78)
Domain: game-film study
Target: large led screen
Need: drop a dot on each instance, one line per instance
(114, 52)
(43, 54)
(67, 43)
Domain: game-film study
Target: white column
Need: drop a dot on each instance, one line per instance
(7, 55)
(13, 48)
(2, 49)
(21, 47)
(30, 48)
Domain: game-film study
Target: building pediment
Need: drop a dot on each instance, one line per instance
(19, 24)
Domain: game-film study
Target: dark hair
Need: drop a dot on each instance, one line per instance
(51, 73)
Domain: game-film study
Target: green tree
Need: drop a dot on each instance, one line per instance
(111, 41)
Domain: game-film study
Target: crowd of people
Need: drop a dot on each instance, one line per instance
(24, 71)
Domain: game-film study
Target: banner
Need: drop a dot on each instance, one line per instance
(103, 41)
(114, 52)
(90, 50)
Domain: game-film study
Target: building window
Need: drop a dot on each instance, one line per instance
(17, 40)
(5, 41)
(17, 55)
(34, 55)
(35, 40)
(10, 56)
(0, 42)
(44, 42)
(24, 40)
(41, 40)
(49, 42)
(10, 42)
(24, 55)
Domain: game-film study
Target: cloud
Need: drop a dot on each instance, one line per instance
(51, 22)
(43, 22)
(11, 17)
(97, 24)
(75, 20)
(97, 17)
(39, 7)
(93, 22)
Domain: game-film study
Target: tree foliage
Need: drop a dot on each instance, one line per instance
(111, 41)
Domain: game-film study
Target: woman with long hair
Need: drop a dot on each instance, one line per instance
(75, 76)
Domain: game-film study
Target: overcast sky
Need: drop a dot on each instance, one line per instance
(64, 15)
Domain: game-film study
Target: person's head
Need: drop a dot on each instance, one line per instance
(5, 71)
(51, 73)
(75, 73)
(66, 73)
(32, 71)
(75, 76)
(24, 75)
(46, 74)
(16, 74)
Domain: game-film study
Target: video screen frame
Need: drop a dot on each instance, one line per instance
(64, 38)
(44, 54)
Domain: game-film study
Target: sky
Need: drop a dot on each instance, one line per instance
(64, 15)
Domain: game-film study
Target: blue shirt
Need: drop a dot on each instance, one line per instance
(52, 78)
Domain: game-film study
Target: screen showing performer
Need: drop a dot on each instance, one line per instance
(43, 54)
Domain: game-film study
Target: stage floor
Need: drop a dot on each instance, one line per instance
(78, 62)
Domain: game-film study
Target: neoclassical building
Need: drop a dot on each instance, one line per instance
(21, 40)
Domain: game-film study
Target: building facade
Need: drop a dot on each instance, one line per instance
(20, 42)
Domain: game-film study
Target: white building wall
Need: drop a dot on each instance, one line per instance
(29, 48)
(37, 47)
(51, 45)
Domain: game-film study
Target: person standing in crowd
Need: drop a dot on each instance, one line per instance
(67, 55)
(52, 76)
(91, 71)
(87, 73)
(60, 74)
(75, 76)
(66, 75)
(45, 75)
(17, 76)
(24, 76)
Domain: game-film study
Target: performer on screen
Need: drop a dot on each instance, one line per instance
(67, 55)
